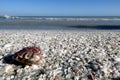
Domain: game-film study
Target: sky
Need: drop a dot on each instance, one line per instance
(60, 7)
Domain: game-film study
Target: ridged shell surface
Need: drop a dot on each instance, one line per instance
(29, 56)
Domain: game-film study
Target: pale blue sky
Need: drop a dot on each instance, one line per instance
(60, 7)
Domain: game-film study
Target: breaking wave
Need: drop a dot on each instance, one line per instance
(59, 21)
(61, 18)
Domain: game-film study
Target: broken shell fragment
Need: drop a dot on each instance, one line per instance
(29, 56)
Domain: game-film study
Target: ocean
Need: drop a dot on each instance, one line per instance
(60, 22)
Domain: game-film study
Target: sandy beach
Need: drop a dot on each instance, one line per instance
(69, 55)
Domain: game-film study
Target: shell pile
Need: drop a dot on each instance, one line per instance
(29, 56)
(68, 55)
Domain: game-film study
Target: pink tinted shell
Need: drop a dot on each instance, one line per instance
(29, 56)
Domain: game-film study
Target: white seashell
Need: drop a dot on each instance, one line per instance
(69, 69)
(19, 72)
(44, 55)
(68, 76)
(2, 68)
(57, 71)
(77, 58)
(76, 77)
(12, 77)
(9, 69)
(40, 79)
(35, 67)
(7, 46)
(27, 67)
(117, 59)
(1, 57)
(105, 70)
(65, 71)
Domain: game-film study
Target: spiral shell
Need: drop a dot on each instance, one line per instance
(29, 56)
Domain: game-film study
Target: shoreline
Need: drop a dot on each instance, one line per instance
(56, 25)
(61, 23)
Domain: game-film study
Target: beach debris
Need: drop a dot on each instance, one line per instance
(29, 56)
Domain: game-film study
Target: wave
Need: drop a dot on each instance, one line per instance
(59, 21)
(79, 19)
(61, 18)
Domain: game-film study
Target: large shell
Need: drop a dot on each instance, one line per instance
(29, 56)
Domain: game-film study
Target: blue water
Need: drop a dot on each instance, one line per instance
(60, 22)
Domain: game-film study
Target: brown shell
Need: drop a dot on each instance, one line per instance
(29, 56)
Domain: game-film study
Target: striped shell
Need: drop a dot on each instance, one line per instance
(29, 56)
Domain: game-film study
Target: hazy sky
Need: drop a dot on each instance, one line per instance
(60, 7)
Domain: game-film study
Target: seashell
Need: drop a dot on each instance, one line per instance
(7, 46)
(117, 59)
(9, 69)
(29, 56)
(35, 67)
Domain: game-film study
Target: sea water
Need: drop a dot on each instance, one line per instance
(60, 22)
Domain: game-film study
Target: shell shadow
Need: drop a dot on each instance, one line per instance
(9, 60)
